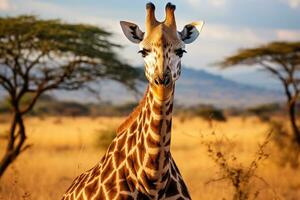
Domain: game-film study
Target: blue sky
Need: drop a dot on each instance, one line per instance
(230, 24)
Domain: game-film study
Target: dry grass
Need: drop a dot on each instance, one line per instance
(64, 147)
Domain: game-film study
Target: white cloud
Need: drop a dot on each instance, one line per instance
(214, 3)
(217, 3)
(294, 3)
(229, 34)
(215, 41)
(193, 2)
(288, 34)
(4, 5)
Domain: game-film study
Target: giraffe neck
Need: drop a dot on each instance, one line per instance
(150, 138)
(159, 117)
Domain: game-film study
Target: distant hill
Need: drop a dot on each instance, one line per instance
(193, 87)
(207, 88)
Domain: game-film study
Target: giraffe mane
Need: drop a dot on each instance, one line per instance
(132, 117)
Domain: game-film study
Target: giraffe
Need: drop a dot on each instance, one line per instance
(138, 163)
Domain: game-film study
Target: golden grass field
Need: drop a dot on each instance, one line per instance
(63, 147)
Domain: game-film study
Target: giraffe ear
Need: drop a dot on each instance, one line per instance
(191, 31)
(132, 32)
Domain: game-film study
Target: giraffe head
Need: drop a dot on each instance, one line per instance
(162, 46)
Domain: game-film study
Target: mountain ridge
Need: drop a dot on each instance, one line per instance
(201, 86)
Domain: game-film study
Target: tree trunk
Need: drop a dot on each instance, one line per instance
(293, 120)
(16, 141)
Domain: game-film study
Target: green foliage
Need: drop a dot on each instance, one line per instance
(105, 137)
(276, 52)
(282, 60)
(38, 55)
(206, 112)
(265, 111)
(48, 105)
(209, 112)
(50, 54)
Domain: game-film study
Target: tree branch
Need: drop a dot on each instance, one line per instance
(273, 71)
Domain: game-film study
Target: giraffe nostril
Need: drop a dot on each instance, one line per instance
(167, 80)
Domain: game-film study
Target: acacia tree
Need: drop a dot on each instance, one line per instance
(282, 60)
(41, 55)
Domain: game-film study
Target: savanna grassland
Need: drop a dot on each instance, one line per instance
(63, 147)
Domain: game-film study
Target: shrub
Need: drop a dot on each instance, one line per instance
(209, 112)
(105, 137)
(240, 176)
(288, 149)
(263, 112)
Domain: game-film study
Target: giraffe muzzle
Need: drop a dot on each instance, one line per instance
(165, 80)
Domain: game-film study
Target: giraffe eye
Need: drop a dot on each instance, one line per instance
(144, 52)
(179, 52)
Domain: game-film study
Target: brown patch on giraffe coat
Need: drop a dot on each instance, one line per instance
(131, 183)
(176, 168)
(125, 197)
(161, 193)
(133, 126)
(146, 128)
(142, 153)
(108, 169)
(184, 189)
(146, 182)
(94, 173)
(66, 197)
(130, 141)
(174, 172)
(165, 176)
(170, 109)
(91, 188)
(119, 157)
(167, 159)
(167, 143)
(123, 185)
(121, 143)
(130, 165)
(110, 183)
(144, 118)
(151, 142)
(135, 161)
(153, 161)
(156, 108)
(100, 195)
(81, 197)
(148, 113)
(142, 196)
(139, 128)
(81, 183)
(112, 146)
(169, 126)
(156, 125)
(172, 189)
(150, 96)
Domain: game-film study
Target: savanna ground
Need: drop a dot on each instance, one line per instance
(63, 147)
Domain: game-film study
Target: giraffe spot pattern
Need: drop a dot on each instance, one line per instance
(123, 172)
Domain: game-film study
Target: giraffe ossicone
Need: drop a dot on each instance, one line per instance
(138, 163)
